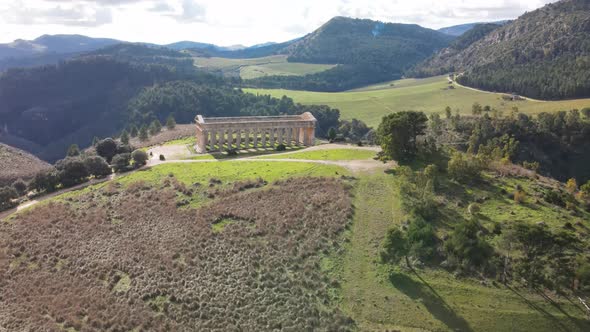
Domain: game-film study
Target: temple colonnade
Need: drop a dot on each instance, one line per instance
(219, 134)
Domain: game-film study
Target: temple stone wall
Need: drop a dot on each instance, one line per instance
(219, 134)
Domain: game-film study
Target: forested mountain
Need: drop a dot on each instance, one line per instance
(367, 52)
(53, 44)
(45, 109)
(543, 54)
(444, 61)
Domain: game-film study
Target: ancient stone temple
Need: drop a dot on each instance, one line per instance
(246, 132)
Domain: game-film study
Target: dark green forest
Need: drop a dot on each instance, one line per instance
(544, 54)
(367, 52)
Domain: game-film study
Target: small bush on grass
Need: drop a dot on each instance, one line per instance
(139, 157)
(121, 162)
(281, 147)
(20, 186)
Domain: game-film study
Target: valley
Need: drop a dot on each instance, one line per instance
(430, 95)
(274, 65)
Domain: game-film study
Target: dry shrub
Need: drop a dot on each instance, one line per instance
(519, 196)
(64, 264)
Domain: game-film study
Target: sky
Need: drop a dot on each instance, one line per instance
(231, 22)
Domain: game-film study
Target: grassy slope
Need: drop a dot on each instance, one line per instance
(331, 154)
(430, 95)
(374, 298)
(257, 67)
(379, 299)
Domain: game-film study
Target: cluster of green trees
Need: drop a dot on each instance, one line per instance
(559, 78)
(186, 99)
(556, 141)
(541, 256)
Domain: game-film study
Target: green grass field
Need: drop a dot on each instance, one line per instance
(379, 298)
(258, 67)
(430, 95)
(190, 173)
(330, 154)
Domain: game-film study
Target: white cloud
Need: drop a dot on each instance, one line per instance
(229, 22)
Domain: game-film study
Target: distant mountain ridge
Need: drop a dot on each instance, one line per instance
(458, 30)
(544, 54)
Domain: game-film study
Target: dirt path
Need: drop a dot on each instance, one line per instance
(27, 204)
(355, 166)
(495, 93)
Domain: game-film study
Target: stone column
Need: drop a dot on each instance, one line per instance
(280, 135)
(247, 138)
(221, 139)
(255, 131)
(213, 140)
(263, 133)
(202, 141)
(239, 139)
(301, 136)
(289, 134)
(271, 135)
(310, 136)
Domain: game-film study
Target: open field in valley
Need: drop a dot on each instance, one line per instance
(257, 67)
(430, 95)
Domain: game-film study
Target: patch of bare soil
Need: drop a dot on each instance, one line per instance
(120, 259)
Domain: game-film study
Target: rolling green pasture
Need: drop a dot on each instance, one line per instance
(430, 95)
(380, 298)
(258, 67)
(328, 154)
(228, 171)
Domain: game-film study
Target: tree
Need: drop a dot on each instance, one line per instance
(448, 112)
(71, 171)
(143, 133)
(125, 137)
(7, 194)
(121, 162)
(140, 158)
(466, 246)
(44, 181)
(464, 168)
(395, 246)
(107, 148)
(155, 127)
(586, 112)
(398, 132)
(170, 122)
(20, 186)
(571, 185)
(332, 134)
(476, 109)
(133, 131)
(585, 188)
(97, 166)
(73, 151)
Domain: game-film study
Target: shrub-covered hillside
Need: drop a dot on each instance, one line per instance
(127, 258)
(17, 164)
